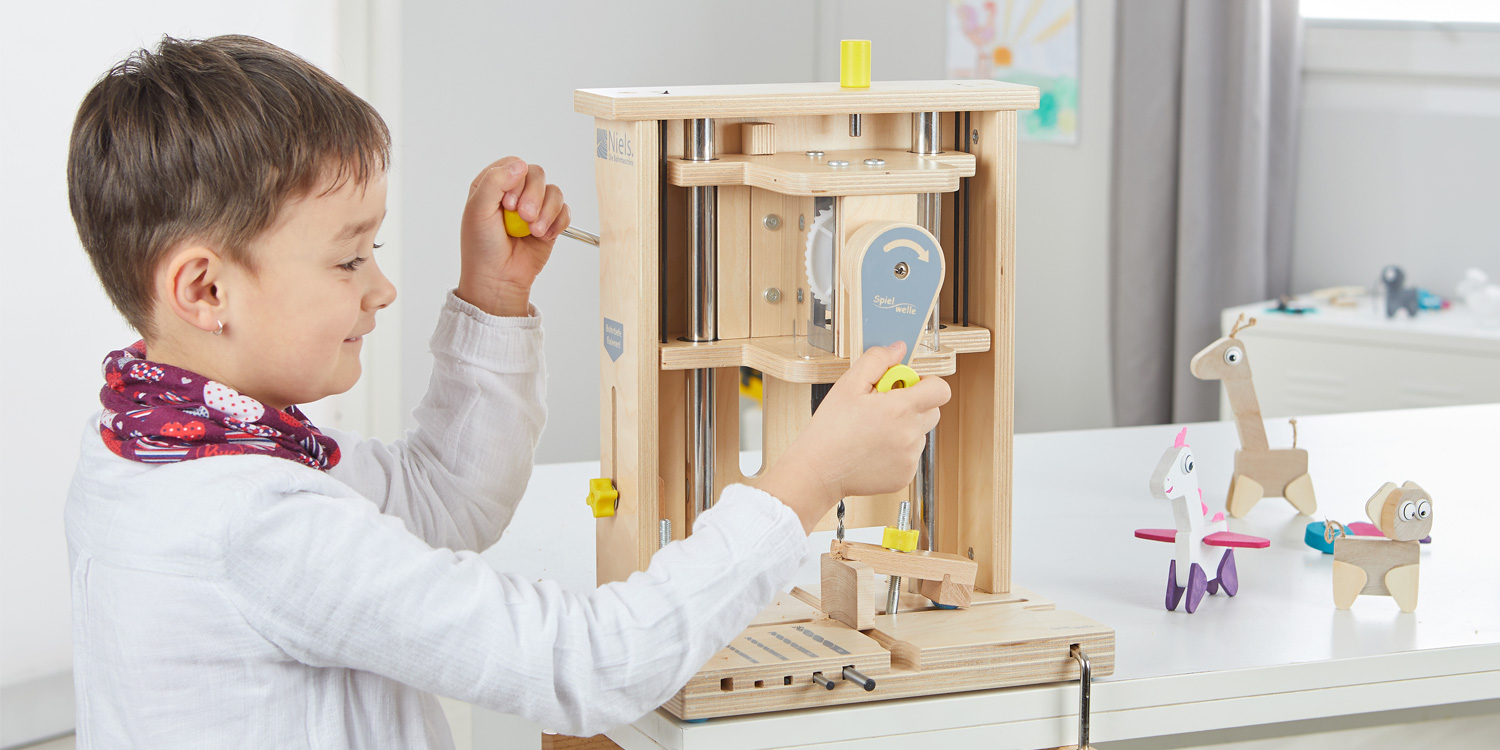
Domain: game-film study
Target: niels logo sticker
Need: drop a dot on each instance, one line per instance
(615, 147)
(614, 339)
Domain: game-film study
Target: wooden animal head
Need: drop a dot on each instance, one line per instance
(1224, 359)
(1403, 513)
(1175, 476)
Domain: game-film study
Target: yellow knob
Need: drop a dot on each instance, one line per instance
(516, 226)
(854, 63)
(901, 541)
(603, 497)
(899, 376)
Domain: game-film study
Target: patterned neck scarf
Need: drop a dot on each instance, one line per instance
(155, 414)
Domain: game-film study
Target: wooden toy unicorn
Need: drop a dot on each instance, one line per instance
(1385, 567)
(1176, 482)
(1258, 470)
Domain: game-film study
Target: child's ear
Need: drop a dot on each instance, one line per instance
(189, 284)
(1376, 504)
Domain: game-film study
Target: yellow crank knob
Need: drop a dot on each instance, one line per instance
(901, 541)
(603, 497)
(854, 64)
(515, 226)
(899, 376)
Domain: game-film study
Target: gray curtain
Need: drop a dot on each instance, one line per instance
(1206, 96)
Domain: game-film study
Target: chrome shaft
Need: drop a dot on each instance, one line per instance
(703, 321)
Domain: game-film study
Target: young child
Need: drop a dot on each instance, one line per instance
(241, 578)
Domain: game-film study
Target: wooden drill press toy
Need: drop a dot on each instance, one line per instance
(785, 228)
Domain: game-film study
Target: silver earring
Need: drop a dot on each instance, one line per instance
(219, 332)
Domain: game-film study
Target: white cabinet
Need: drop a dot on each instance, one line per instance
(1355, 359)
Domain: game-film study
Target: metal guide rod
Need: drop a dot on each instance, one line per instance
(925, 139)
(703, 306)
(664, 533)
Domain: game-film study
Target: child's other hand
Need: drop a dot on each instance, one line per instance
(860, 442)
(497, 270)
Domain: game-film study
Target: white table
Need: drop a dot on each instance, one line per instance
(1277, 652)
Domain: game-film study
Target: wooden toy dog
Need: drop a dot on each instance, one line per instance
(1258, 470)
(1176, 481)
(1385, 567)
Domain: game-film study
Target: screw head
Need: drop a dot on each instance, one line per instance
(874, 162)
(773, 295)
(838, 163)
(974, 137)
(772, 221)
(815, 154)
(799, 294)
(902, 270)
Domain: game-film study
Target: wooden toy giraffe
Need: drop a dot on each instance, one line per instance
(1258, 470)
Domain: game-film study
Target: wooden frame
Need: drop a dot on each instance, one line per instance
(765, 209)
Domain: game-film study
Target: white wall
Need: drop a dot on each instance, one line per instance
(1399, 156)
(55, 323)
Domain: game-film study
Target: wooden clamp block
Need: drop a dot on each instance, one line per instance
(946, 592)
(759, 138)
(849, 592)
(950, 570)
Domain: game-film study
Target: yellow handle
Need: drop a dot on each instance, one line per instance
(854, 64)
(516, 226)
(602, 497)
(899, 376)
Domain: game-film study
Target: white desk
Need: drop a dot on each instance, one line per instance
(1277, 652)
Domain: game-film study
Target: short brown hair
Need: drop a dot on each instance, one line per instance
(206, 140)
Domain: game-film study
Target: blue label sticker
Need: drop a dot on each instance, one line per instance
(614, 339)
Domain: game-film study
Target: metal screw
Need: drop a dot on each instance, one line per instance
(838, 163)
(773, 295)
(902, 270)
(974, 137)
(772, 222)
(874, 162)
(801, 222)
(664, 532)
(799, 294)
(815, 154)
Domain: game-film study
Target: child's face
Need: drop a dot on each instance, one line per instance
(296, 325)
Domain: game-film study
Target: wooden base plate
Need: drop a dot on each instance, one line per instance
(1002, 641)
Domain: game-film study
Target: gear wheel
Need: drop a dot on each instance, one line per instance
(818, 260)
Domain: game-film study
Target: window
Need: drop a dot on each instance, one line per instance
(1428, 11)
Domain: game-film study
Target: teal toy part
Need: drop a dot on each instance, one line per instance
(1314, 538)
(900, 274)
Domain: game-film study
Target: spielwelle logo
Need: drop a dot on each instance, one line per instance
(615, 147)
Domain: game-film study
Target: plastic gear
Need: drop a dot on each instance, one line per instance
(818, 260)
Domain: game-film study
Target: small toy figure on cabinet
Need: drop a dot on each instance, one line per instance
(1384, 567)
(1176, 481)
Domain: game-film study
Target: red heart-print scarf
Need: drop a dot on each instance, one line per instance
(156, 414)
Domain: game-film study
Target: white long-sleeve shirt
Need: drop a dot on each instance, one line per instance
(249, 601)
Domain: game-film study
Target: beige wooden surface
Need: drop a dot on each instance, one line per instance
(796, 173)
(771, 100)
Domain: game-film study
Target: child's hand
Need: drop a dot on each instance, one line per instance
(497, 270)
(860, 442)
